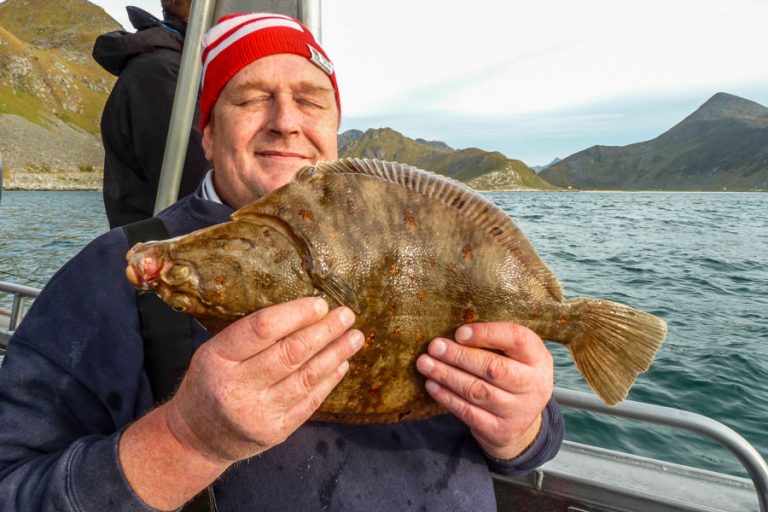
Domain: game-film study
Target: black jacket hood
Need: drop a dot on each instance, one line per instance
(114, 49)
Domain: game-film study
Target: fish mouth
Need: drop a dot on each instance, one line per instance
(144, 267)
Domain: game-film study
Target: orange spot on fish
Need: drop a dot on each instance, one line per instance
(469, 315)
(421, 295)
(351, 206)
(398, 330)
(420, 338)
(409, 219)
(221, 280)
(393, 270)
(307, 215)
(374, 389)
(562, 320)
(370, 339)
(468, 254)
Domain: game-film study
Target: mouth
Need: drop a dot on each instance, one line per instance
(287, 155)
(144, 268)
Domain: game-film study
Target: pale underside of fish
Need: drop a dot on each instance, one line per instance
(415, 255)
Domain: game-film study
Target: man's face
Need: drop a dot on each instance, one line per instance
(275, 116)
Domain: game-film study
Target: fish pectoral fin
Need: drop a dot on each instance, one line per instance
(339, 290)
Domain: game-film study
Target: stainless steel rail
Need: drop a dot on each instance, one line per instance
(749, 457)
(20, 294)
(10, 319)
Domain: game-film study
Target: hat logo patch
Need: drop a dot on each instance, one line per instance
(320, 61)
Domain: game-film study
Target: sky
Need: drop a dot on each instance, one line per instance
(535, 80)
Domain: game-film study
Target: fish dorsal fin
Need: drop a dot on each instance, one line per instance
(479, 210)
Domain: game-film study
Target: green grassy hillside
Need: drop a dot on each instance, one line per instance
(481, 169)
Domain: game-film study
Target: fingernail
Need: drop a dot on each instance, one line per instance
(321, 307)
(438, 348)
(463, 333)
(347, 317)
(425, 364)
(356, 340)
(432, 386)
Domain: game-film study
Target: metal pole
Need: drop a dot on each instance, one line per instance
(17, 312)
(310, 16)
(749, 457)
(183, 111)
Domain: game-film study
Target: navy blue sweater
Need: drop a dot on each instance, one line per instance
(73, 379)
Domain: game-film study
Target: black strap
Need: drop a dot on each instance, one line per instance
(167, 333)
(167, 342)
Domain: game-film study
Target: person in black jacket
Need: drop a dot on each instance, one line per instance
(134, 124)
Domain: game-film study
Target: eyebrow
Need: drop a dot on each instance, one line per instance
(304, 87)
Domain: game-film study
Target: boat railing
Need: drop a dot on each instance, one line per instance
(597, 477)
(749, 457)
(11, 318)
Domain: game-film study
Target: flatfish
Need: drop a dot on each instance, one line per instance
(415, 255)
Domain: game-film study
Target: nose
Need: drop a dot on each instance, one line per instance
(285, 116)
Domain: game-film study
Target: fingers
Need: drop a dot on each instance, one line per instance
(496, 378)
(468, 412)
(257, 331)
(290, 353)
(308, 383)
(493, 369)
(514, 340)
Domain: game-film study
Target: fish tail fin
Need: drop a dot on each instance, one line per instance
(613, 345)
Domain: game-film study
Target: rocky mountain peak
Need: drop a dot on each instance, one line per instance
(723, 105)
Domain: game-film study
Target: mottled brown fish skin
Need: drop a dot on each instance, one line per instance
(415, 259)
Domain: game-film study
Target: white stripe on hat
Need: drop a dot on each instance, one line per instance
(257, 22)
(225, 26)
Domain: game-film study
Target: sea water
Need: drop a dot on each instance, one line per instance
(697, 260)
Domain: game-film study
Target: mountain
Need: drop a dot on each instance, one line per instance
(539, 168)
(52, 92)
(479, 169)
(722, 145)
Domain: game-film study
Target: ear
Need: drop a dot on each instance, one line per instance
(208, 139)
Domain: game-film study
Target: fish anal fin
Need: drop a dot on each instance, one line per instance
(614, 344)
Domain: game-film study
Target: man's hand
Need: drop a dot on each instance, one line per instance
(247, 389)
(260, 379)
(497, 378)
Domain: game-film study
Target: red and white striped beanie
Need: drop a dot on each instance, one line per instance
(239, 39)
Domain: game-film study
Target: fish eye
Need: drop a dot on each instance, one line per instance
(180, 303)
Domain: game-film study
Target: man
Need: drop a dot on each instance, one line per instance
(135, 121)
(75, 433)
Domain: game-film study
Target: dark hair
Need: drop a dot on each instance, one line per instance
(176, 8)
